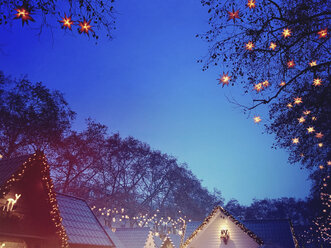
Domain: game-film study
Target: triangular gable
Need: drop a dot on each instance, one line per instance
(219, 211)
(13, 170)
(167, 243)
(135, 237)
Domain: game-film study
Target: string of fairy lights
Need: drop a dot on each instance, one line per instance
(159, 224)
(306, 119)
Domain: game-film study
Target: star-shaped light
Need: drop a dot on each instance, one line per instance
(314, 118)
(317, 82)
(313, 63)
(323, 33)
(233, 15)
(225, 79)
(258, 87)
(85, 26)
(251, 4)
(290, 63)
(257, 119)
(301, 119)
(320, 144)
(24, 14)
(265, 84)
(272, 45)
(306, 112)
(310, 129)
(319, 135)
(329, 162)
(66, 22)
(286, 32)
(321, 167)
(295, 140)
(297, 100)
(282, 83)
(250, 46)
(289, 105)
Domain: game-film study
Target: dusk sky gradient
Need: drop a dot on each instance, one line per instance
(146, 83)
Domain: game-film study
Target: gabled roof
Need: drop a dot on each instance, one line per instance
(13, 170)
(233, 219)
(9, 166)
(114, 238)
(190, 228)
(133, 237)
(81, 225)
(275, 233)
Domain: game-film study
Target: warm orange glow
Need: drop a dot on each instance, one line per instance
(66, 22)
(302, 155)
(257, 119)
(85, 26)
(328, 163)
(306, 112)
(250, 46)
(289, 105)
(24, 14)
(258, 87)
(319, 135)
(297, 100)
(282, 83)
(310, 129)
(317, 82)
(272, 46)
(265, 83)
(295, 140)
(233, 15)
(314, 118)
(251, 4)
(290, 63)
(313, 63)
(225, 79)
(301, 119)
(320, 144)
(321, 167)
(286, 32)
(323, 33)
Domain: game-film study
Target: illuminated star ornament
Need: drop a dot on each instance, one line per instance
(317, 82)
(225, 79)
(297, 100)
(85, 27)
(265, 84)
(310, 129)
(323, 33)
(66, 22)
(306, 112)
(251, 4)
(258, 87)
(282, 84)
(233, 15)
(319, 135)
(289, 105)
(290, 64)
(301, 119)
(295, 140)
(250, 46)
(257, 119)
(23, 13)
(286, 32)
(313, 63)
(272, 46)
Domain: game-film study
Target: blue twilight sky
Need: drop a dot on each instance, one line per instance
(146, 83)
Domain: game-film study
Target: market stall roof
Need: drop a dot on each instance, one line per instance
(133, 237)
(275, 233)
(81, 225)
